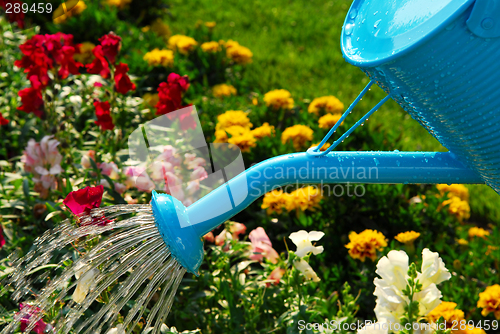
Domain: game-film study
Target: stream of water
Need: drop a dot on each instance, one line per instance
(112, 262)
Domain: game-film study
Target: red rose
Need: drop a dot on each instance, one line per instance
(99, 65)
(104, 119)
(2, 239)
(3, 121)
(31, 98)
(122, 80)
(111, 45)
(68, 64)
(84, 200)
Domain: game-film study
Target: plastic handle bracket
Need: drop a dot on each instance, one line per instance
(484, 20)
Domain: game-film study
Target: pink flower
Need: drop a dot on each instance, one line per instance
(85, 161)
(2, 239)
(188, 201)
(193, 186)
(275, 275)
(28, 311)
(220, 239)
(159, 168)
(119, 187)
(199, 174)
(209, 237)
(137, 177)
(109, 169)
(43, 160)
(261, 246)
(236, 229)
(195, 163)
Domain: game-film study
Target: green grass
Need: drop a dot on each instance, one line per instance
(296, 46)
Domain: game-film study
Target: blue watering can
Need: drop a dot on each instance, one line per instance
(438, 59)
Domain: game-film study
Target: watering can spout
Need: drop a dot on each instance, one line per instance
(182, 228)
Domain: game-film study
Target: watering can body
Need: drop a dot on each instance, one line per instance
(439, 61)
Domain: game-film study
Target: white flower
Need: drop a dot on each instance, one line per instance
(306, 270)
(302, 239)
(83, 285)
(433, 269)
(393, 269)
(428, 299)
(117, 330)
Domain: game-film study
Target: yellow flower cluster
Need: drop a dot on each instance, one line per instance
(159, 28)
(237, 53)
(329, 104)
(323, 148)
(489, 301)
(85, 56)
(223, 89)
(299, 134)
(117, 3)
(366, 244)
(236, 124)
(181, 43)
(279, 99)
(68, 9)
(407, 237)
(329, 120)
(159, 57)
(306, 198)
(454, 190)
(448, 311)
(210, 25)
(265, 130)
(458, 200)
(210, 47)
(478, 232)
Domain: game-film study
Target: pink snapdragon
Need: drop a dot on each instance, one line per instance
(199, 173)
(262, 246)
(236, 229)
(43, 160)
(275, 275)
(137, 177)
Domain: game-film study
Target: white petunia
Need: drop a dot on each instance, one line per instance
(302, 239)
(433, 269)
(84, 283)
(306, 270)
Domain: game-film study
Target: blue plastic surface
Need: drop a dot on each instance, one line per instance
(484, 20)
(448, 83)
(377, 31)
(173, 224)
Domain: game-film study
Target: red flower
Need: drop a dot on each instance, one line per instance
(181, 81)
(122, 80)
(84, 200)
(111, 45)
(3, 121)
(99, 65)
(31, 98)
(28, 312)
(2, 239)
(13, 16)
(68, 64)
(104, 119)
(170, 99)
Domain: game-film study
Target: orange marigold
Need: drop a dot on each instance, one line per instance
(366, 244)
(489, 301)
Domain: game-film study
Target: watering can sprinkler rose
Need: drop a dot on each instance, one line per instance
(437, 59)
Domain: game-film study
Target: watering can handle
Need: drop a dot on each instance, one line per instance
(484, 20)
(316, 150)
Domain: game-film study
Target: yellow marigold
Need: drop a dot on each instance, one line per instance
(491, 249)
(306, 198)
(328, 104)
(117, 3)
(159, 57)
(223, 90)
(85, 56)
(469, 329)
(299, 134)
(448, 311)
(458, 208)
(151, 99)
(245, 141)
(324, 148)
(160, 28)
(407, 237)
(231, 118)
(279, 98)
(274, 201)
(183, 44)
(222, 135)
(211, 47)
(238, 53)
(365, 244)
(478, 232)
(265, 130)
(210, 25)
(489, 301)
(462, 242)
(328, 120)
(457, 190)
(68, 9)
